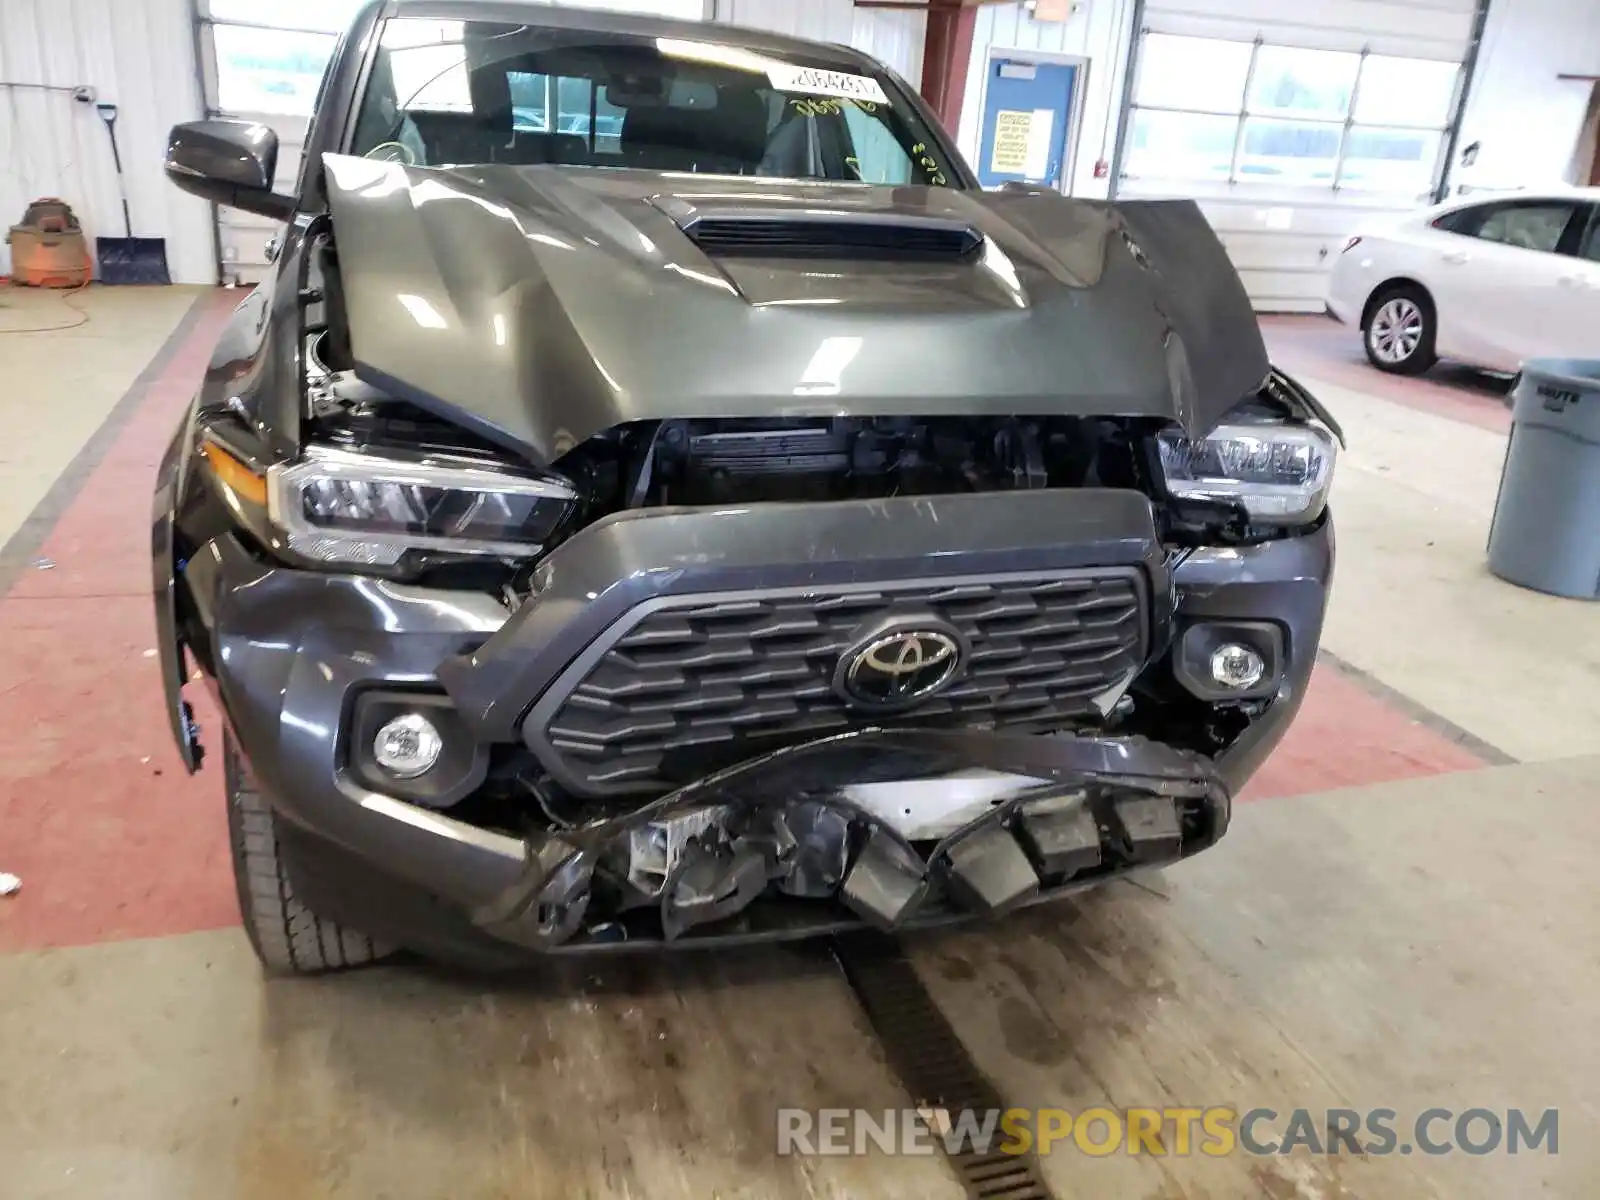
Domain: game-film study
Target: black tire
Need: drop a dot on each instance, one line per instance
(1398, 330)
(287, 936)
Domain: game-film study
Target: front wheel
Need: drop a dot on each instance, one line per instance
(287, 936)
(1399, 331)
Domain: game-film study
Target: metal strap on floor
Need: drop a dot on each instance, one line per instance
(932, 1063)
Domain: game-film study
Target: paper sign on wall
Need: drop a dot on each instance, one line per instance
(1010, 142)
(813, 81)
(1022, 143)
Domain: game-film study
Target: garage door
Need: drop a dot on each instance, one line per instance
(262, 60)
(1293, 123)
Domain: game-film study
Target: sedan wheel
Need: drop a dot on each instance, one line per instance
(1399, 333)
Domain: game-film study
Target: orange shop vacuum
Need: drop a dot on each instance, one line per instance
(48, 248)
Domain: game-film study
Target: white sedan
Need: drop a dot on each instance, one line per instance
(1489, 282)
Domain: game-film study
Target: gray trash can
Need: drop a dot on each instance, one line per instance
(1546, 529)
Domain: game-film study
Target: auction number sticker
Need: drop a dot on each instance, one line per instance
(814, 81)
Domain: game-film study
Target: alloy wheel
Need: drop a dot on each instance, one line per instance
(1396, 330)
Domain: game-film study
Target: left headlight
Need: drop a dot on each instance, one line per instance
(338, 505)
(1279, 473)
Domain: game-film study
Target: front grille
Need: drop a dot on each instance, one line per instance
(705, 681)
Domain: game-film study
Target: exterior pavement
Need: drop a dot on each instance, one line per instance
(1405, 920)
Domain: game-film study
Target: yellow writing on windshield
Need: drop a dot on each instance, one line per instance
(814, 107)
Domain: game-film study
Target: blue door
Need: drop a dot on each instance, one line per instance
(1027, 111)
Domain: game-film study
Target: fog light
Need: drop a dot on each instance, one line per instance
(1237, 667)
(407, 746)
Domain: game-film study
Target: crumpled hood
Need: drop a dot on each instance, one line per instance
(542, 305)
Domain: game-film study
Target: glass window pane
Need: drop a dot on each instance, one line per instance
(608, 119)
(570, 99)
(878, 157)
(686, 106)
(428, 60)
(529, 104)
(1527, 226)
(1405, 91)
(1590, 248)
(1303, 83)
(1292, 152)
(1390, 160)
(572, 106)
(1201, 74)
(269, 71)
(1168, 145)
(332, 15)
(1462, 220)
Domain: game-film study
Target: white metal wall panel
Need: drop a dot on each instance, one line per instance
(1097, 30)
(819, 20)
(683, 10)
(136, 54)
(894, 37)
(1526, 120)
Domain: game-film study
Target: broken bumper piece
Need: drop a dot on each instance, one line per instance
(775, 848)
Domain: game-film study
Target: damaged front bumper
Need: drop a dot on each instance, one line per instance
(736, 851)
(797, 842)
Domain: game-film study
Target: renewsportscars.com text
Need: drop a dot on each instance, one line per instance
(1216, 1131)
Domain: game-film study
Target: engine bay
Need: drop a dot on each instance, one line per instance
(706, 462)
(747, 461)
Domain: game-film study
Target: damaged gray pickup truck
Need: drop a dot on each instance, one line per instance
(660, 499)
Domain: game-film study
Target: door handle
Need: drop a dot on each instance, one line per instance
(1574, 281)
(1457, 257)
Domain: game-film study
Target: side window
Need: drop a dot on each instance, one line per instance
(1536, 226)
(1589, 245)
(586, 112)
(1463, 220)
(607, 124)
(530, 101)
(878, 157)
(572, 106)
(564, 104)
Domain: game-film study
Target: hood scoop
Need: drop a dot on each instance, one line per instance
(813, 233)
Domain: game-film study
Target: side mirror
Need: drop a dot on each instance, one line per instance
(228, 162)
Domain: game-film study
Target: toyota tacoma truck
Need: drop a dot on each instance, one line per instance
(661, 499)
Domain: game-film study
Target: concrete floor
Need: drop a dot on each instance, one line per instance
(1404, 915)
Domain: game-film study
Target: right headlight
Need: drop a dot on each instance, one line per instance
(1279, 473)
(337, 505)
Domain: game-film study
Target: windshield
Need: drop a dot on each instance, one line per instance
(460, 93)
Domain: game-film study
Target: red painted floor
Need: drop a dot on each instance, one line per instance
(111, 838)
(1322, 348)
(1346, 737)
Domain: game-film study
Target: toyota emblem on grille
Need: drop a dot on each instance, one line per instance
(899, 668)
